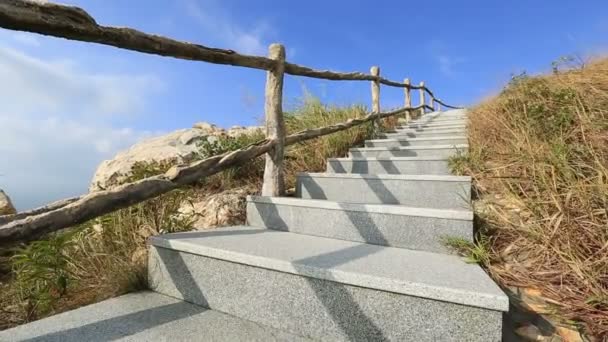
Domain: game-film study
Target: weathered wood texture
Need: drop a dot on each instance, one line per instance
(49, 207)
(274, 184)
(422, 100)
(74, 23)
(95, 204)
(408, 99)
(375, 71)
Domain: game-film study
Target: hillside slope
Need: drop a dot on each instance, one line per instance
(539, 159)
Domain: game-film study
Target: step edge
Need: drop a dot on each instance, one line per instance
(406, 148)
(430, 158)
(386, 209)
(454, 137)
(437, 178)
(440, 293)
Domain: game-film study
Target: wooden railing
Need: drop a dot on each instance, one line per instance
(76, 24)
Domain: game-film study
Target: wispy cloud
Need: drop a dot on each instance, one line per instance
(216, 21)
(446, 63)
(57, 122)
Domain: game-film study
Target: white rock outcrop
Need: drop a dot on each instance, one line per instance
(177, 147)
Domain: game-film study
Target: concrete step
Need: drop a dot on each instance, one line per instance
(329, 289)
(432, 126)
(445, 140)
(444, 151)
(378, 224)
(437, 120)
(433, 122)
(419, 134)
(393, 165)
(456, 130)
(144, 316)
(439, 192)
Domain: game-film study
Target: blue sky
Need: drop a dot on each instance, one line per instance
(68, 105)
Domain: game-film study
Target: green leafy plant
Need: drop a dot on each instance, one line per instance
(42, 272)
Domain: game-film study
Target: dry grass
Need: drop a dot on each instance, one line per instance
(107, 256)
(539, 159)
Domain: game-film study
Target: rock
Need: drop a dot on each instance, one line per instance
(208, 128)
(6, 206)
(529, 333)
(569, 335)
(176, 147)
(221, 209)
(236, 131)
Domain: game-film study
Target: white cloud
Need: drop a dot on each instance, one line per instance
(58, 122)
(218, 23)
(446, 63)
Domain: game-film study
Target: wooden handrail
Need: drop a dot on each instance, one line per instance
(76, 24)
(18, 228)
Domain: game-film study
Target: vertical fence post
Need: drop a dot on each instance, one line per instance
(408, 99)
(375, 71)
(275, 126)
(422, 101)
(433, 103)
(438, 106)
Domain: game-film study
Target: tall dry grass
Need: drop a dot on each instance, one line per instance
(539, 159)
(107, 256)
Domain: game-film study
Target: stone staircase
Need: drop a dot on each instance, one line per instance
(356, 255)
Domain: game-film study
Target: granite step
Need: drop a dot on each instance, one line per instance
(460, 130)
(144, 316)
(328, 289)
(442, 151)
(432, 126)
(425, 191)
(379, 224)
(441, 140)
(434, 122)
(404, 134)
(390, 165)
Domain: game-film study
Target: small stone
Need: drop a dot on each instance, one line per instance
(6, 206)
(529, 332)
(569, 335)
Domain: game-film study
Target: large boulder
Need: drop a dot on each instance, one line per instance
(176, 147)
(6, 206)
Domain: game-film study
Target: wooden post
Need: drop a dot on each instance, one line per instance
(422, 101)
(439, 105)
(408, 99)
(375, 71)
(433, 103)
(275, 126)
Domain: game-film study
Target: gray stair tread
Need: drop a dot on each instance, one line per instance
(438, 178)
(446, 137)
(144, 316)
(423, 274)
(390, 158)
(389, 209)
(405, 148)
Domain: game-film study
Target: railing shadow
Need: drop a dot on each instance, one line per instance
(124, 325)
(340, 304)
(376, 185)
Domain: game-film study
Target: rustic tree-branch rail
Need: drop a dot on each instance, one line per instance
(76, 24)
(92, 205)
